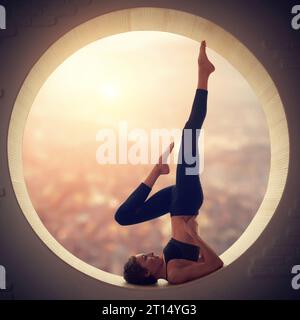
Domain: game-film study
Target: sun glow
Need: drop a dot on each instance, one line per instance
(109, 91)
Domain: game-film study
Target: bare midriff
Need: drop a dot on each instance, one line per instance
(178, 230)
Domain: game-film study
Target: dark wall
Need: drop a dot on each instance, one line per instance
(264, 271)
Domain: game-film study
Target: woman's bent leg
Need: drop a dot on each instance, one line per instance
(136, 209)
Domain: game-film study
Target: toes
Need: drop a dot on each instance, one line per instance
(203, 47)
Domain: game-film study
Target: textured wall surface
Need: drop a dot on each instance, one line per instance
(264, 271)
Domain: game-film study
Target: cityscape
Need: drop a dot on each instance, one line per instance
(76, 197)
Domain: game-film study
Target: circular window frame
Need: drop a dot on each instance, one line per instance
(164, 20)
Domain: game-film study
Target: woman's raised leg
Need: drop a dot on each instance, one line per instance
(188, 196)
(205, 67)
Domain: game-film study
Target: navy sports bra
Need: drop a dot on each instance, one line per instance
(176, 249)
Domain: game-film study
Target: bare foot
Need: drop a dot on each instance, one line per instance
(205, 65)
(162, 164)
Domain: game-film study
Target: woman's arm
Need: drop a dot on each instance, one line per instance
(208, 253)
(194, 270)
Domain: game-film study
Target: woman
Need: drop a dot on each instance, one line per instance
(180, 261)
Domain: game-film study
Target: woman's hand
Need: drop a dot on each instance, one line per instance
(162, 165)
(207, 253)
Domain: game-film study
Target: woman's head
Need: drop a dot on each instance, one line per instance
(143, 269)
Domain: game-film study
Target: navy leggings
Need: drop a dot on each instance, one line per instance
(184, 198)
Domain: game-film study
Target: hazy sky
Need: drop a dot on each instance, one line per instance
(149, 80)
